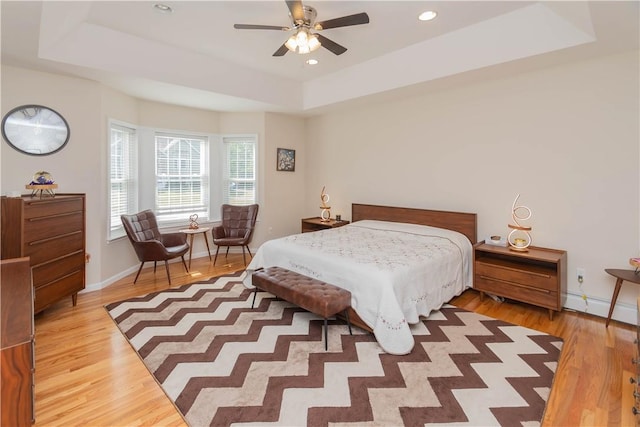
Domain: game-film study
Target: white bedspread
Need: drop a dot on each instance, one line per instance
(394, 271)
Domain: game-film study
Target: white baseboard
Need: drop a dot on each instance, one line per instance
(626, 313)
(101, 285)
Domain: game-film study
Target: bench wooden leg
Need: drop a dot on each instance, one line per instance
(255, 292)
(326, 338)
(346, 315)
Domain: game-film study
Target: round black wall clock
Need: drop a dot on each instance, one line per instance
(35, 130)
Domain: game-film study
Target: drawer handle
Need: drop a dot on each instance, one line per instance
(59, 236)
(61, 257)
(59, 278)
(495, 279)
(60, 215)
(517, 270)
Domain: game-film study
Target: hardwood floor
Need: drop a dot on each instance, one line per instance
(88, 375)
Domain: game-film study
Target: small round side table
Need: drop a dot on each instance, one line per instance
(192, 232)
(621, 276)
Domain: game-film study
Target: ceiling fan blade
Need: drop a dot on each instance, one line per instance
(297, 12)
(331, 45)
(281, 51)
(259, 27)
(345, 21)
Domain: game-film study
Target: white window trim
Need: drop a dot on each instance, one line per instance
(117, 232)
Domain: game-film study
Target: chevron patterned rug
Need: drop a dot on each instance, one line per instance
(223, 363)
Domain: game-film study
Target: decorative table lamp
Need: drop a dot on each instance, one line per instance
(325, 215)
(519, 239)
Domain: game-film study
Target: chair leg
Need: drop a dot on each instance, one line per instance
(166, 265)
(154, 266)
(243, 257)
(227, 254)
(249, 250)
(139, 270)
(216, 257)
(184, 263)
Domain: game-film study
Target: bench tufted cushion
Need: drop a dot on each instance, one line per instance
(311, 294)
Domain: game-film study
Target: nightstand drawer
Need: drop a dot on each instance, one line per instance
(534, 276)
(532, 295)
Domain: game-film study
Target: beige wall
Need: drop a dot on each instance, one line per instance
(565, 138)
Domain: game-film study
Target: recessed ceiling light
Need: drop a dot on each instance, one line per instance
(311, 61)
(163, 8)
(428, 15)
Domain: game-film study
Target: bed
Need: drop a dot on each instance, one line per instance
(398, 263)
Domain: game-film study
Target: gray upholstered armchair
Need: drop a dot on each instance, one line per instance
(236, 228)
(150, 244)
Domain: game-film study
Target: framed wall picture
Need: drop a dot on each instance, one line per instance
(286, 160)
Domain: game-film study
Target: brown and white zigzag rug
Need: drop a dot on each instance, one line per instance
(223, 363)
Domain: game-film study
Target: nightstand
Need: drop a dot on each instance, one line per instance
(537, 276)
(315, 224)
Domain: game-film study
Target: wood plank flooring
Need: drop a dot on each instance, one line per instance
(88, 375)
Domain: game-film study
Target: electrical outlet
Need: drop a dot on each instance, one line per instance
(580, 274)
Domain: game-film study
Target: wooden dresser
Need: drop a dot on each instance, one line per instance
(17, 357)
(51, 231)
(537, 276)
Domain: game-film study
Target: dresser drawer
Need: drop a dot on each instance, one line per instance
(55, 290)
(48, 227)
(57, 268)
(52, 207)
(533, 276)
(532, 295)
(44, 250)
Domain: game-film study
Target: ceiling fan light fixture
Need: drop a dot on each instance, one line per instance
(302, 37)
(314, 43)
(302, 42)
(291, 43)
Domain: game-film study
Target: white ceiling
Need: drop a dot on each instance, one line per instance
(194, 56)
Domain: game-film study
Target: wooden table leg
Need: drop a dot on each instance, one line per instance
(190, 249)
(616, 291)
(206, 240)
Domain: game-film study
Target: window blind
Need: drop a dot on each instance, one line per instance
(123, 188)
(182, 178)
(239, 172)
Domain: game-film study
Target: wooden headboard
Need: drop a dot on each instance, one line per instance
(465, 223)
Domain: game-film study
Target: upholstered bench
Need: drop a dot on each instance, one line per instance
(313, 295)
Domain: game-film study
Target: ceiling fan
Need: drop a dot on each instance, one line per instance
(303, 22)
